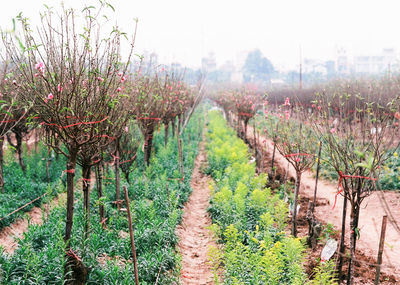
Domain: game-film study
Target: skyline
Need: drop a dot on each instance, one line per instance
(185, 31)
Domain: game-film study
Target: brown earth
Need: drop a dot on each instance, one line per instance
(373, 209)
(195, 238)
(10, 235)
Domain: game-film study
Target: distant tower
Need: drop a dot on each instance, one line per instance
(342, 62)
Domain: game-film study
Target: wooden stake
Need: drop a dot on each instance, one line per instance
(380, 252)
(131, 235)
(316, 178)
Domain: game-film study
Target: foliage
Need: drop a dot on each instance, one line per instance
(249, 217)
(21, 188)
(324, 274)
(39, 258)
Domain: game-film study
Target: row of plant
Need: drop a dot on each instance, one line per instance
(270, 123)
(42, 173)
(157, 194)
(355, 129)
(88, 98)
(248, 218)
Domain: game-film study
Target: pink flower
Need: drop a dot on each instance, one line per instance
(287, 115)
(319, 107)
(119, 89)
(120, 74)
(100, 79)
(40, 67)
(123, 78)
(126, 129)
(45, 100)
(50, 96)
(287, 101)
(297, 159)
(313, 106)
(36, 74)
(59, 88)
(333, 131)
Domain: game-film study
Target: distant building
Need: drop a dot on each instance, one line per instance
(209, 63)
(374, 64)
(342, 61)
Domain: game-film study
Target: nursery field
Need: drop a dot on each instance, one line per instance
(115, 171)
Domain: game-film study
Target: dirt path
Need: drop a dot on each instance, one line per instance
(9, 235)
(373, 209)
(194, 236)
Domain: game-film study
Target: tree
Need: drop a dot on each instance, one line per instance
(74, 80)
(257, 67)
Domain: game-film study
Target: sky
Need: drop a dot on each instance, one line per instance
(184, 31)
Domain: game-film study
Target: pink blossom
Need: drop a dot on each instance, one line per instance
(333, 131)
(119, 89)
(287, 101)
(36, 74)
(319, 107)
(297, 159)
(50, 96)
(313, 106)
(126, 129)
(59, 88)
(40, 67)
(287, 115)
(120, 74)
(123, 78)
(100, 79)
(45, 100)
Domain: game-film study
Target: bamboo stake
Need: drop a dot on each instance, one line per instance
(316, 178)
(380, 252)
(131, 235)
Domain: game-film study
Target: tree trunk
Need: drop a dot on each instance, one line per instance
(126, 174)
(296, 193)
(147, 146)
(86, 197)
(1, 164)
(354, 217)
(18, 138)
(71, 164)
(342, 245)
(180, 152)
(173, 127)
(99, 187)
(166, 129)
(117, 177)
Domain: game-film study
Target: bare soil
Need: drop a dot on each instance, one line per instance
(10, 235)
(373, 209)
(195, 238)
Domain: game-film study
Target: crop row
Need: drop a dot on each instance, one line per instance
(248, 218)
(157, 194)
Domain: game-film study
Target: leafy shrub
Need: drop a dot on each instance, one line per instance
(249, 218)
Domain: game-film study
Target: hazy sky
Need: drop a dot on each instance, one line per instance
(186, 30)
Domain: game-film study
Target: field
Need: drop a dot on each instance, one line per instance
(114, 171)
